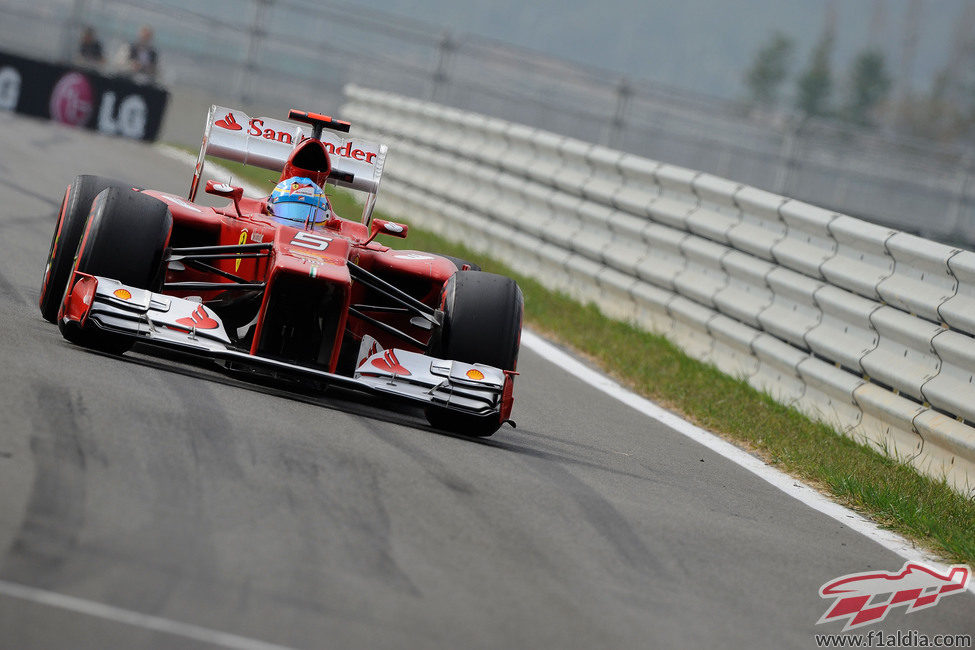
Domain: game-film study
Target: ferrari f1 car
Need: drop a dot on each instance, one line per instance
(318, 301)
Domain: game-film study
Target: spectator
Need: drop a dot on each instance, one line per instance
(89, 49)
(143, 59)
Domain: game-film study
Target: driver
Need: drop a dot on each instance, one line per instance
(299, 202)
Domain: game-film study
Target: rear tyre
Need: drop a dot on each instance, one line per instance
(72, 217)
(482, 324)
(461, 263)
(125, 239)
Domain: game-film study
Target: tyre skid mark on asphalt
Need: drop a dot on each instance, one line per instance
(45, 221)
(548, 451)
(370, 548)
(9, 291)
(635, 565)
(209, 435)
(20, 189)
(430, 465)
(55, 509)
(8, 288)
(53, 137)
(605, 519)
(209, 429)
(467, 491)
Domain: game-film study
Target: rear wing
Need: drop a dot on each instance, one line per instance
(264, 142)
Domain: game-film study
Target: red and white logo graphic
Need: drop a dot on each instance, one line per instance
(199, 320)
(72, 100)
(389, 363)
(373, 349)
(228, 122)
(865, 598)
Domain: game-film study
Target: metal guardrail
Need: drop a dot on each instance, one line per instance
(863, 327)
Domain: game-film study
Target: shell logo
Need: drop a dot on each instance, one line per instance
(475, 374)
(123, 294)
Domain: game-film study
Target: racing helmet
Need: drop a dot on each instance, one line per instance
(299, 202)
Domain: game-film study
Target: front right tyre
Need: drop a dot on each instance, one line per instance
(482, 324)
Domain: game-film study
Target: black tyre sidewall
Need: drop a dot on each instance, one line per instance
(70, 226)
(482, 319)
(125, 239)
(482, 324)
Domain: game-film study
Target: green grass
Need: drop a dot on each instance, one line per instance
(892, 494)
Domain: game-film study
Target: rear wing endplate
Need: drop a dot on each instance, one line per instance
(265, 142)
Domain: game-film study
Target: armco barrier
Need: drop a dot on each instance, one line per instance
(865, 328)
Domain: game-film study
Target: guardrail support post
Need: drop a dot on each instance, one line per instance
(257, 33)
(623, 94)
(447, 47)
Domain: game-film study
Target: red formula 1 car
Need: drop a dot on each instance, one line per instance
(318, 300)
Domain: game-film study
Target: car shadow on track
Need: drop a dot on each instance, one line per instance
(342, 400)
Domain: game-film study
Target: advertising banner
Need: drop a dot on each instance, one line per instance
(81, 97)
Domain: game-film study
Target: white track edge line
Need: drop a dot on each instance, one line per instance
(224, 174)
(788, 484)
(136, 619)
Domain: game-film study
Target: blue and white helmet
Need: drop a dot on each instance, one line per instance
(297, 201)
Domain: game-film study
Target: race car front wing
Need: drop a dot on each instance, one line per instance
(190, 327)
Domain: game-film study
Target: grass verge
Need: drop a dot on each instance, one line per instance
(895, 495)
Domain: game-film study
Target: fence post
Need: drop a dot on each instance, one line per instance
(623, 94)
(965, 172)
(787, 157)
(447, 47)
(71, 31)
(256, 33)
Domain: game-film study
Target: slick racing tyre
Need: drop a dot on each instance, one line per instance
(125, 239)
(482, 324)
(72, 217)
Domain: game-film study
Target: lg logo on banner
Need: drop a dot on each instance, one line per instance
(9, 88)
(129, 120)
(73, 100)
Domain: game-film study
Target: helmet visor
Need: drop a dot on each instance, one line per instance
(296, 214)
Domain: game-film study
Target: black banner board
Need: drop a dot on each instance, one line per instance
(81, 97)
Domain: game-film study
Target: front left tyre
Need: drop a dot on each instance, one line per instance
(72, 217)
(125, 239)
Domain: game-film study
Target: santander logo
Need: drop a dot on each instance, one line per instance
(72, 100)
(228, 122)
(389, 363)
(199, 319)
